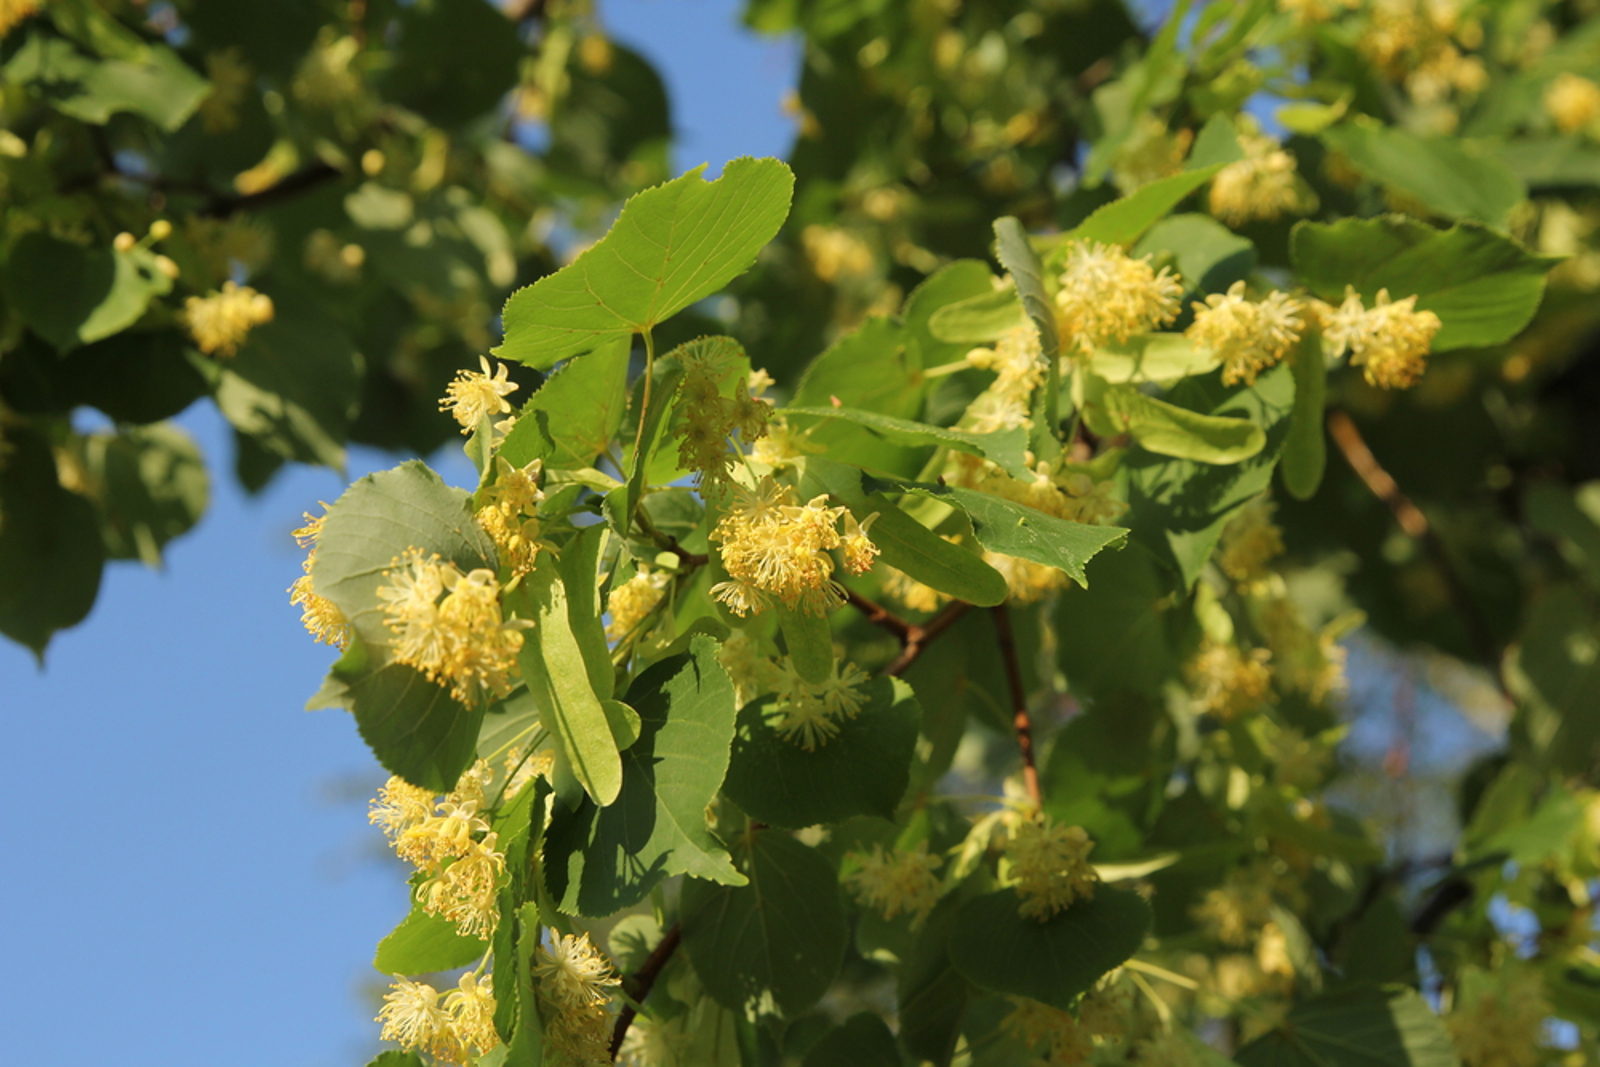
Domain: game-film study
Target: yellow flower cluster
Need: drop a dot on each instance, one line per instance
(337, 261)
(441, 839)
(1572, 102)
(220, 322)
(460, 640)
(13, 12)
(1250, 541)
(1418, 43)
(1103, 294)
(1264, 185)
(231, 79)
(1040, 1026)
(632, 602)
(810, 714)
(836, 253)
(574, 981)
(1149, 153)
(474, 396)
(902, 882)
(1049, 865)
(774, 549)
(507, 513)
(1236, 911)
(751, 670)
(1304, 659)
(320, 616)
(451, 1032)
(706, 419)
(1226, 683)
(1500, 1023)
(1248, 336)
(1019, 366)
(223, 244)
(1390, 341)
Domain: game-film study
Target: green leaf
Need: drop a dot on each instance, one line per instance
(672, 245)
(600, 860)
(1554, 163)
(72, 295)
(862, 771)
(1151, 357)
(979, 318)
(1053, 961)
(455, 60)
(1017, 530)
(51, 553)
(579, 567)
(1207, 255)
(776, 942)
(1449, 176)
(809, 641)
(1305, 450)
(1004, 448)
(1217, 145)
(1126, 631)
(1019, 260)
(1483, 286)
(152, 488)
(860, 1041)
(1174, 431)
(415, 728)
(159, 86)
(1360, 1026)
(1124, 221)
(874, 368)
(294, 385)
(558, 677)
(575, 413)
(424, 943)
(1556, 676)
(903, 542)
(931, 995)
(950, 284)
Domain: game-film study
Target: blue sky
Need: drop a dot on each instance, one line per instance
(190, 877)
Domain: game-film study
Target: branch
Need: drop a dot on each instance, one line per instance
(1348, 437)
(918, 638)
(639, 984)
(1019, 701)
(879, 615)
(303, 180)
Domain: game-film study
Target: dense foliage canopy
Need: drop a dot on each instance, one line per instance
(903, 614)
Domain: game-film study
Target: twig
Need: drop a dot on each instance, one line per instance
(302, 180)
(1019, 701)
(639, 984)
(1348, 437)
(918, 638)
(879, 615)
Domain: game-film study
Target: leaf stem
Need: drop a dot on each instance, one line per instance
(638, 985)
(1019, 701)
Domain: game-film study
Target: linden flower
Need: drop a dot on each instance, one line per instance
(1250, 541)
(447, 835)
(705, 419)
(230, 80)
(462, 640)
(572, 973)
(902, 882)
(13, 12)
(1019, 366)
(632, 602)
(1572, 101)
(464, 892)
(399, 806)
(908, 591)
(809, 714)
(473, 396)
(1227, 683)
(579, 1035)
(1236, 910)
(1050, 866)
(1247, 337)
(773, 549)
(507, 513)
(1499, 1021)
(220, 322)
(1390, 341)
(471, 1006)
(1041, 1026)
(319, 615)
(1263, 185)
(1103, 294)
(412, 1016)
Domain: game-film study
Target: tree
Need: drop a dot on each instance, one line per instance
(1003, 471)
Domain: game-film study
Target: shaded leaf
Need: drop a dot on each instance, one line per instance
(1004, 448)
(1362, 1026)
(1446, 175)
(73, 295)
(862, 1040)
(575, 413)
(455, 59)
(874, 368)
(151, 485)
(1126, 631)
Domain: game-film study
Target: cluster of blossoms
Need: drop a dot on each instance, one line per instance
(1572, 102)
(1019, 369)
(451, 1032)
(902, 882)
(1247, 336)
(630, 603)
(1390, 341)
(1250, 541)
(777, 550)
(462, 639)
(452, 843)
(1228, 683)
(1264, 185)
(1149, 153)
(1039, 1026)
(320, 616)
(1103, 295)
(507, 513)
(1499, 1020)
(231, 80)
(1049, 865)
(1419, 43)
(221, 321)
(805, 713)
(706, 419)
(574, 982)
(477, 395)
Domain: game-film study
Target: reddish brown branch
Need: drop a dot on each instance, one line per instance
(1019, 701)
(639, 984)
(879, 615)
(1354, 447)
(918, 638)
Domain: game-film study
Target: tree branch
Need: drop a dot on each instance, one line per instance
(879, 615)
(1354, 447)
(639, 984)
(303, 180)
(1019, 701)
(918, 638)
